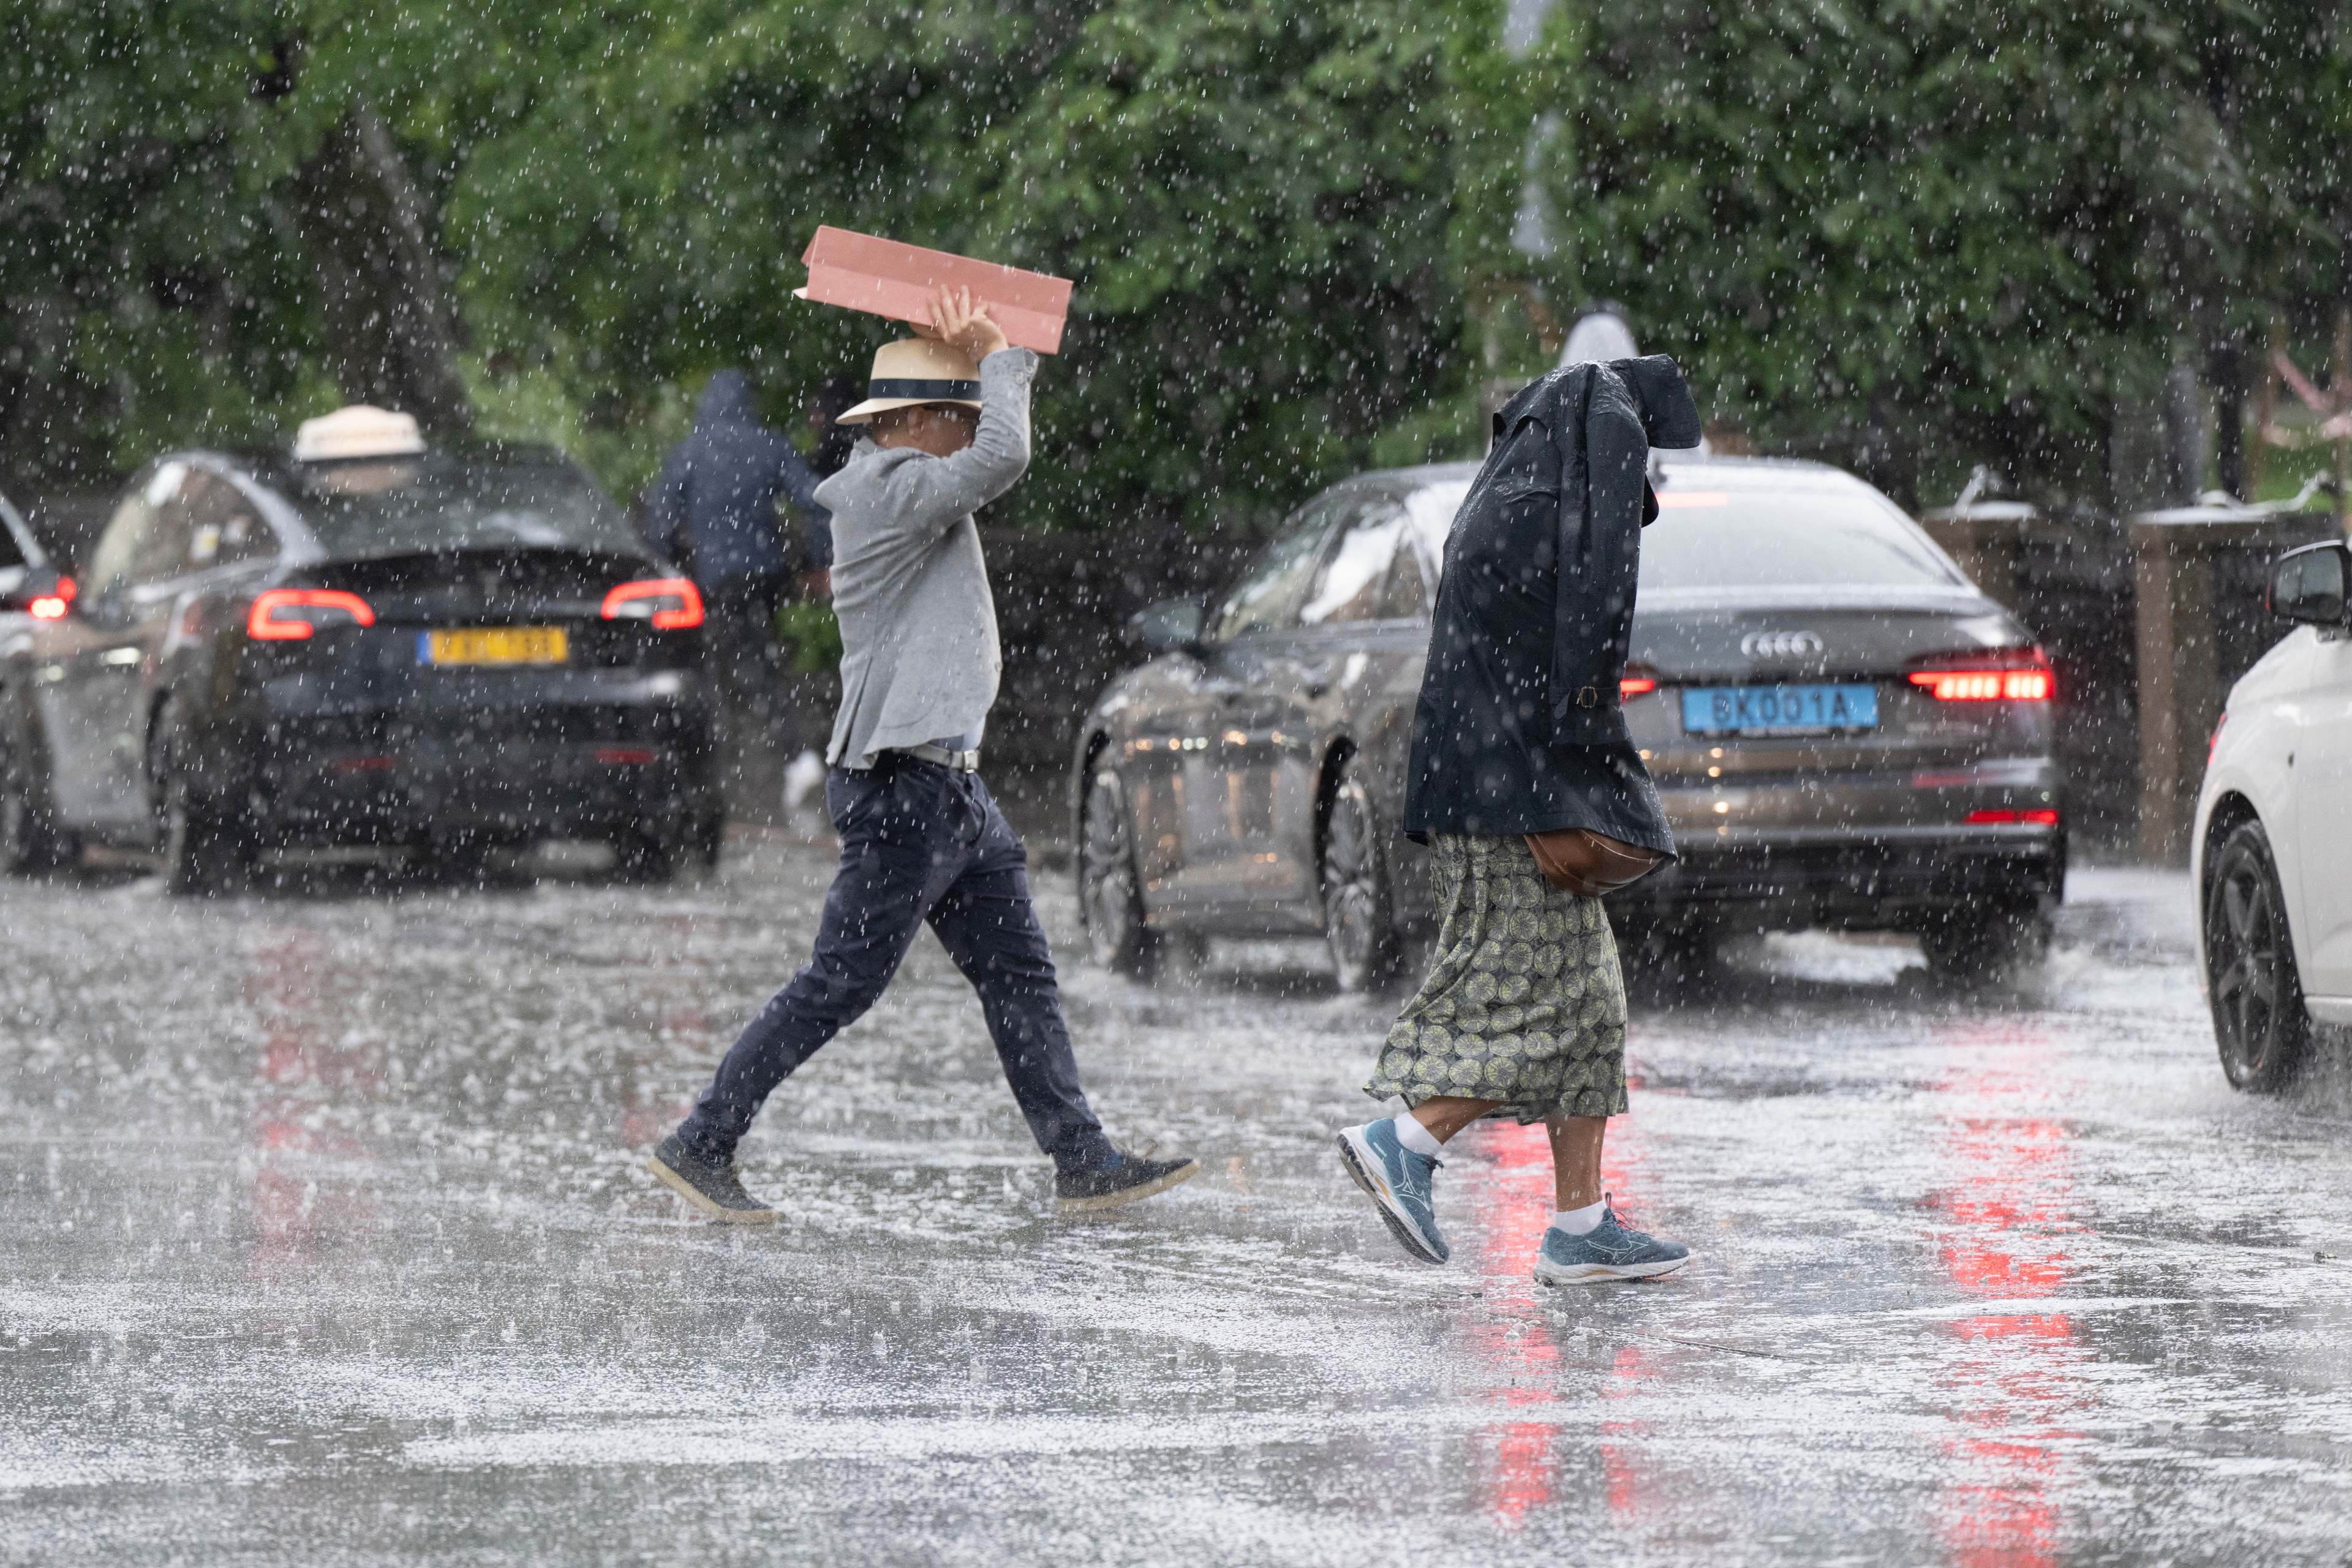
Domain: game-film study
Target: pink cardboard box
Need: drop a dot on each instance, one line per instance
(884, 277)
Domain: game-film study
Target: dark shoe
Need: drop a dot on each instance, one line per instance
(714, 1189)
(1085, 1192)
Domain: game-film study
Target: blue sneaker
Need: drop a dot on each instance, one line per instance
(1398, 1180)
(1609, 1251)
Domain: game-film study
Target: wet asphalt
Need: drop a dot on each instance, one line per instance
(324, 1238)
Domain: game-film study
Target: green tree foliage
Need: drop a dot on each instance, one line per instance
(1914, 234)
(1269, 209)
(1931, 231)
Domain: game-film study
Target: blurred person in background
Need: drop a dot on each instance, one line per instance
(714, 507)
(835, 397)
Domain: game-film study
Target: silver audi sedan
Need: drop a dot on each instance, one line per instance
(1845, 731)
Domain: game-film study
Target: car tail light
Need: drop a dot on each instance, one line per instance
(290, 615)
(1639, 681)
(672, 604)
(627, 756)
(52, 606)
(2037, 816)
(2212, 746)
(2023, 676)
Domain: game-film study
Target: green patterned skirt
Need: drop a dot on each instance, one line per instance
(1524, 1003)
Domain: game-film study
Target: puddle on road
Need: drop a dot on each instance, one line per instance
(327, 1239)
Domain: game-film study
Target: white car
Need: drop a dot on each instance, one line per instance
(2274, 846)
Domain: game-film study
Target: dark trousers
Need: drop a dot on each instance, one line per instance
(738, 641)
(919, 842)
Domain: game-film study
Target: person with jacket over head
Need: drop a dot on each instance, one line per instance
(1533, 803)
(921, 838)
(835, 442)
(715, 506)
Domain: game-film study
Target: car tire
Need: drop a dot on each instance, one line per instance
(1110, 886)
(1974, 946)
(1359, 911)
(707, 841)
(206, 850)
(648, 856)
(31, 842)
(1663, 964)
(2259, 1025)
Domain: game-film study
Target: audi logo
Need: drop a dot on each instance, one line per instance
(1780, 644)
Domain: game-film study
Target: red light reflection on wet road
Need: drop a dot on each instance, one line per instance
(288, 1213)
(1512, 1200)
(2011, 1392)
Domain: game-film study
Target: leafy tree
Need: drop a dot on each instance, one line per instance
(1924, 233)
(1914, 234)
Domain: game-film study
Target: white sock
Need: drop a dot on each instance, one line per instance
(1580, 1222)
(1415, 1136)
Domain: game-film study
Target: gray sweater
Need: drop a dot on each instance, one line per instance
(918, 654)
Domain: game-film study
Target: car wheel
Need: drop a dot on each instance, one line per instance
(2258, 1021)
(206, 850)
(1359, 915)
(648, 856)
(1661, 963)
(1979, 945)
(708, 840)
(30, 839)
(1111, 890)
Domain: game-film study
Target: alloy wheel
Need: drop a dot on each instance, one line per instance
(1358, 922)
(2259, 1023)
(1110, 893)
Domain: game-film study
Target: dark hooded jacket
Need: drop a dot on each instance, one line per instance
(716, 500)
(1518, 729)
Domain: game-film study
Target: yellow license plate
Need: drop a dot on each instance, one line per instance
(495, 645)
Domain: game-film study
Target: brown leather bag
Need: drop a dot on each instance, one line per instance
(1588, 863)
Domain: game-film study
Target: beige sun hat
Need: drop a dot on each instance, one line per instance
(357, 431)
(912, 371)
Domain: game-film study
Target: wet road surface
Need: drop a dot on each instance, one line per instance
(324, 1238)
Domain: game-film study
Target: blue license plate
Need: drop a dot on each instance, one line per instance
(1778, 710)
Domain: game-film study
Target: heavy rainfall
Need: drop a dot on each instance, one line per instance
(1627, 735)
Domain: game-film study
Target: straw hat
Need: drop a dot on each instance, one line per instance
(358, 431)
(912, 371)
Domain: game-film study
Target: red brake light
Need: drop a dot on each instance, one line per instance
(290, 615)
(2212, 746)
(52, 606)
(643, 600)
(2023, 677)
(1637, 686)
(2039, 816)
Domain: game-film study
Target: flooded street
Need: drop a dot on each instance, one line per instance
(325, 1237)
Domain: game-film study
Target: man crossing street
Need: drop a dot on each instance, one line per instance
(921, 838)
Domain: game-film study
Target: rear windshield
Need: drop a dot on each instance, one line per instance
(442, 502)
(1749, 538)
(1769, 539)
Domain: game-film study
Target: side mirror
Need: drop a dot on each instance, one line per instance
(1173, 626)
(2310, 585)
(40, 592)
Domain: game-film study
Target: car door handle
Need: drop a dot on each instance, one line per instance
(1315, 689)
